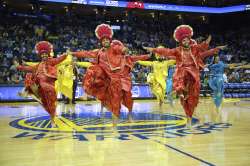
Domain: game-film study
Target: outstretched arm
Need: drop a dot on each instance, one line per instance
(203, 46)
(145, 63)
(55, 61)
(164, 52)
(118, 49)
(237, 65)
(136, 58)
(85, 54)
(31, 63)
(84, 64)
(67, 61)
(170, 62)
(245, 66)
(211, 52)
(26, 68)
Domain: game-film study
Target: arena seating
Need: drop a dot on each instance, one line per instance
(237, 90)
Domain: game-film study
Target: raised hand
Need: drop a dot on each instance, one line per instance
(23, 62)
(149, 49)
(222, 47)
(125, 50)
(209, 39)
(68, 52)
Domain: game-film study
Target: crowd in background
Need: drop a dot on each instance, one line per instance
(18, 36)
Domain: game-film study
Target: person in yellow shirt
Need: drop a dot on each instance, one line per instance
(157, 78)
(65, 76)
(84, 65)
(68, 77)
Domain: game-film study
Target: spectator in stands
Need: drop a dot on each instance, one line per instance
(236, 76)
(2, 81)
(15, 78)
(225, 78)
(141, 76)
(14, 65)
(18, 35)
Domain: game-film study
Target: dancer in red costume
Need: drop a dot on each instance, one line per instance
(125, 75)
(109, 79)
(189, 61)
(43, 77)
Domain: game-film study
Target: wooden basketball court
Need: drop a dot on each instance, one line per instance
(84, 135)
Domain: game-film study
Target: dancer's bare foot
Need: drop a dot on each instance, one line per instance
(23, 94)
(53, 123)
(218, 115)
(102, 107)
(115, 132)
(214, 115)
(217, 109)
(115, 120)
(160, 105)
(183, 97)
(185, 94)
(171, 103)
(189, 123)
(130, 117)
(84, 98)
(218, 118)
(38, 99)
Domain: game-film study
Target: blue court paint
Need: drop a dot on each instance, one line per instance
(185, 153)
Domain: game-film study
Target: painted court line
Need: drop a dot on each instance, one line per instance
(187, 154)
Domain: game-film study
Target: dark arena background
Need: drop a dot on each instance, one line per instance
(154, 133)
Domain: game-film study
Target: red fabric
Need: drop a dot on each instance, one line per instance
(118, 47)
(202, 48)
(26, 68)
(104, 30)
(47, 94)
(95, 82)
(43, 47)
(182, 32)
(198, 51)
(117, 42)
(109, 80)
(186, 78)
(192, 41)
(47, 67)
(28, 81)
(127, 100)
(44, 76)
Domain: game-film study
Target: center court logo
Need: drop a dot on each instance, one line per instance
(86, 125)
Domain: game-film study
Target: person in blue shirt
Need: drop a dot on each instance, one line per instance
(169, 88)
(216, 80)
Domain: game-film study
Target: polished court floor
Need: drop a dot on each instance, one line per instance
(156, 137)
